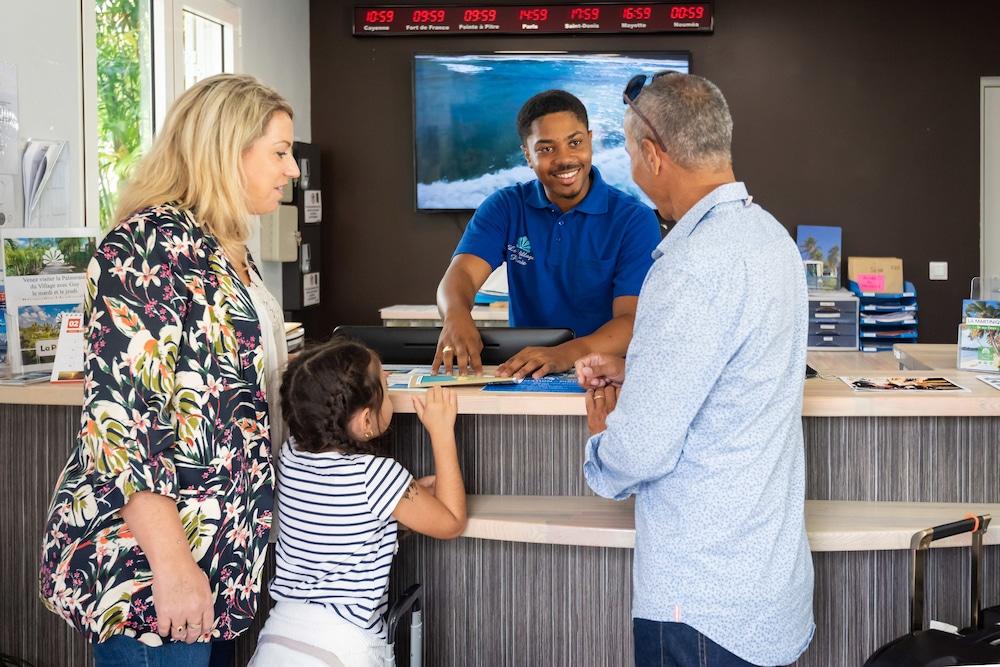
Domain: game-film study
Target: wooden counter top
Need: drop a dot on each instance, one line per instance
(598, 522)
(43, 393)
(825, 396)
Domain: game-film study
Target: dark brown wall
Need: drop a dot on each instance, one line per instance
(858, 113)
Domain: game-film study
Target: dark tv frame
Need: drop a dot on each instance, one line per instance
(541, 52)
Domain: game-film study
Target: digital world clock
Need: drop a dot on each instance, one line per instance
(580, 18)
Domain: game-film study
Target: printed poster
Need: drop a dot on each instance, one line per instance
(45, 281)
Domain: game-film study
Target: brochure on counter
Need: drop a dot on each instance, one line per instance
(901, 384)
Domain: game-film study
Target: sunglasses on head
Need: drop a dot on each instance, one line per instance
(631, 92)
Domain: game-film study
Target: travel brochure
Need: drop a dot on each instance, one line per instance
(820, 248)
(45, 272)
(979, 336)
(901, 384)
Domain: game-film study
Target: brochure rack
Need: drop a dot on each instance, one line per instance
(886, 318)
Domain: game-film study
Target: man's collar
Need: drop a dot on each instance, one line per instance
(596, 201)
(736, 191)
(729, 192)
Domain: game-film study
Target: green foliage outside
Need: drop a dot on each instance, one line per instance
(119, 91)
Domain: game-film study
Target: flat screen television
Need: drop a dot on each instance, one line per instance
(465, 109)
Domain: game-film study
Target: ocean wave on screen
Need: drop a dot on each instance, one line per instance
(466, 69)
(469, 193)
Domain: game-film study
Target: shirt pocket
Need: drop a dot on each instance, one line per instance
(593, 284)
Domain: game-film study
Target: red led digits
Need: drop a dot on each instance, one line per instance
(480, 15)
(687, 12)
(637, 13)
(427, 16)
(584, 13)
(379, 16)
(533, 15)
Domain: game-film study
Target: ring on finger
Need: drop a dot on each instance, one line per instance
(447, 348)
(194, 626)
(599, 397)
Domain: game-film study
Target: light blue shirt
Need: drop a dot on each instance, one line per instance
(707, 434)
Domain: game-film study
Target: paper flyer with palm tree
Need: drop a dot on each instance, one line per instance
(44, 276)
(979, 336)
(821, 251)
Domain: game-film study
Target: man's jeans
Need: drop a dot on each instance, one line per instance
(678, 645)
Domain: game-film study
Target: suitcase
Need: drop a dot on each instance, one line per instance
(979, 644)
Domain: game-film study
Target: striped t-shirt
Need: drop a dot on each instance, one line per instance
(336, 535)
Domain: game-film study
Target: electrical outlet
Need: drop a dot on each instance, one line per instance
(938, 270)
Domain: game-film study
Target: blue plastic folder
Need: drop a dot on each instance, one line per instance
(551, 384)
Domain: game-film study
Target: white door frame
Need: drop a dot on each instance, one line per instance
(989, 193)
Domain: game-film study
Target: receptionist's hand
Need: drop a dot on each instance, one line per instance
(600, 370)
(459, 346)
(600, 402)
(537, 361)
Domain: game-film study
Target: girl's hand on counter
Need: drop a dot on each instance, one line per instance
(601, 402)
(437, 411)
(600, 370)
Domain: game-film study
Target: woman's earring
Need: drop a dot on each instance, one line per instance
(369, 435)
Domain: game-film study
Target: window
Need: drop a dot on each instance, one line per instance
(124, 94)
(147, 53)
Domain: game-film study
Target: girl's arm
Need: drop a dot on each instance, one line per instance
(439, 513)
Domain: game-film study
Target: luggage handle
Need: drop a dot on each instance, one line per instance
(920, 543)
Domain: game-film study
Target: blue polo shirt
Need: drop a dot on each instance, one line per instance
(564, 269)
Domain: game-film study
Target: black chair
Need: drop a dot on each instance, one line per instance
(416, 345)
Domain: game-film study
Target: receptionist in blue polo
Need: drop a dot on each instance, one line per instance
(577, 250)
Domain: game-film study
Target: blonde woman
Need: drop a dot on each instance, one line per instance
(159, 523)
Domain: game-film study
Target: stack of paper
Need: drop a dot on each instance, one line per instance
(37, 165)
(295, 336)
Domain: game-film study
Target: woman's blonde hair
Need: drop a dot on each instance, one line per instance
(195, 160)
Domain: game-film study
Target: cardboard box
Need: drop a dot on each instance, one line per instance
(876, 274)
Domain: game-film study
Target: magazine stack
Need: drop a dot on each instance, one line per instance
(886, 318)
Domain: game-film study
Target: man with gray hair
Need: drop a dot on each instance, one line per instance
(702, 422)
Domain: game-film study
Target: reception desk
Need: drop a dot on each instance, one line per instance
(542, 575)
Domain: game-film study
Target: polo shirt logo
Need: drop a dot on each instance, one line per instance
(520, 253)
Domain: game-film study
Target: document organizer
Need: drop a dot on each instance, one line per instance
(886, 318)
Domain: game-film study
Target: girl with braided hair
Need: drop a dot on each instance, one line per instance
(340, 501)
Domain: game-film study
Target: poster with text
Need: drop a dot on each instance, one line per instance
(45, 272)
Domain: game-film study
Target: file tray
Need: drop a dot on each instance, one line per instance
(908, 321)
(896, 334)
(908, 305)
(909, 292)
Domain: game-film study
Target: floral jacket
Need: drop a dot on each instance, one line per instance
(173, 403)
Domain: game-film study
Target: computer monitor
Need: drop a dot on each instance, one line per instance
(416, 345)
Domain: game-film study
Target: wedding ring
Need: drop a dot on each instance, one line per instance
(447, 348)
(194, 626)
(598, 396)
